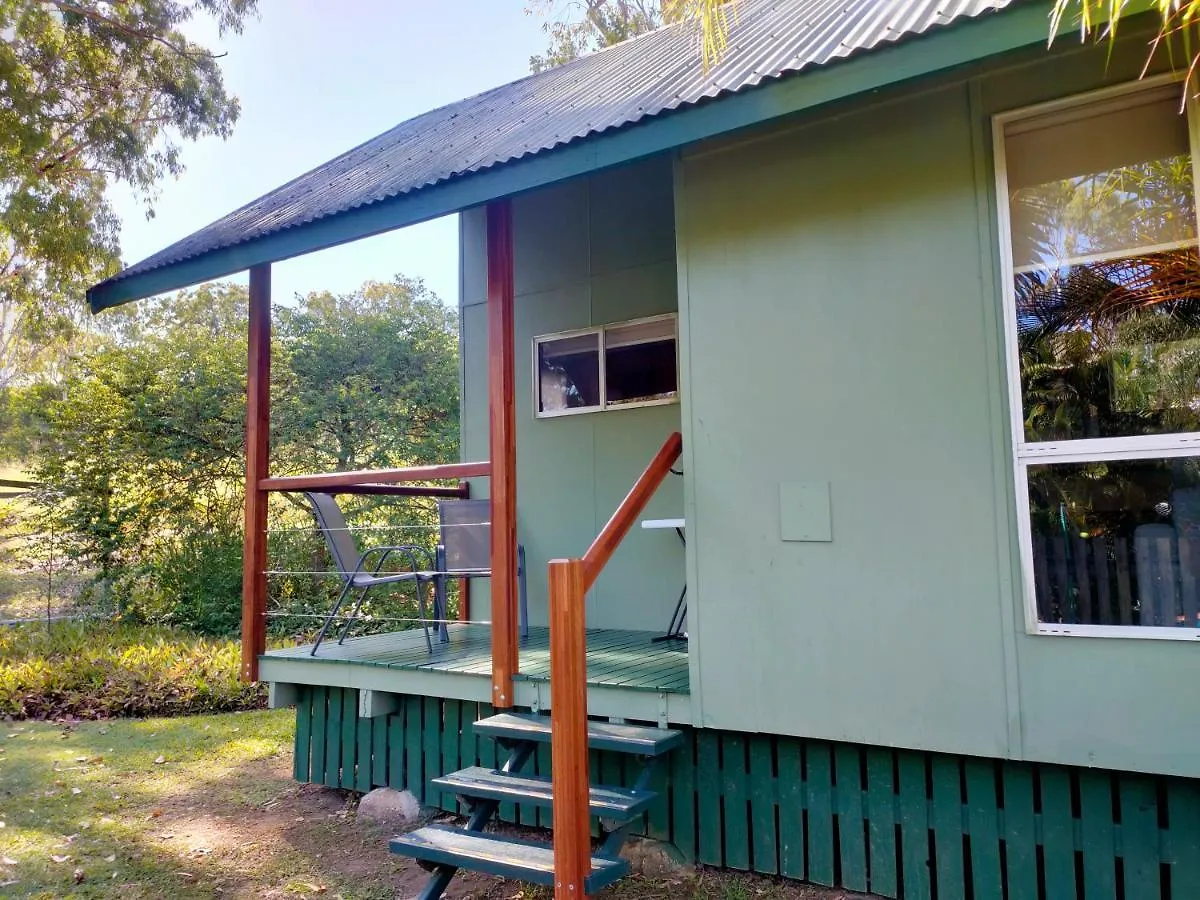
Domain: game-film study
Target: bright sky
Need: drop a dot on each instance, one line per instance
(316, 78)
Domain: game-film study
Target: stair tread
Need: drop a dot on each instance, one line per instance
(498, 855)
(605, 801)
(640, 739)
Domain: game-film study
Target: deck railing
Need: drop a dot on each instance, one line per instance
(570, 580)
(362, 481)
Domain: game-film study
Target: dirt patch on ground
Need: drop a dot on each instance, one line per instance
(317, 828)
(313, 828)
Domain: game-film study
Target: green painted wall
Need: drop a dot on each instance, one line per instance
(587, 252)
(840, 300)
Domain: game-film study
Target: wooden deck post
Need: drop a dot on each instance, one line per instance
(258, 428)
(568, 721)
(503, 446)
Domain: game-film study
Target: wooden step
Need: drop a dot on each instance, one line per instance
(638, 739)
(496, 855)
(488, 784)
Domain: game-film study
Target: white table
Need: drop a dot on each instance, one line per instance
(675, 630)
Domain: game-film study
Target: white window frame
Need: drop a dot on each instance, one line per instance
(1032, 453)
(601, 331)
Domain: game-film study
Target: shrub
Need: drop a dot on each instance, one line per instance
(194, 584)
(95, 670)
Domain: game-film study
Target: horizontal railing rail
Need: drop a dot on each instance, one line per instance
(460, 491)
(570, 580)
(328, 480)
(626, 515)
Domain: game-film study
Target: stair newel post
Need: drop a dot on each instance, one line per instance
(569, 754)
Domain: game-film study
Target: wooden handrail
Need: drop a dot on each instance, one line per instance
(570, 580)
(631, 507)
(375, 476)
(461, 491)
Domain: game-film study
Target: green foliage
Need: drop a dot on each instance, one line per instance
(93, 92)
(98, 670)
(371, 381)
(141, 444)
(194, 583)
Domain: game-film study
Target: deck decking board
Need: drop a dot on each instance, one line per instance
(629, 660)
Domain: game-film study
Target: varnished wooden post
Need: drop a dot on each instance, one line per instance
(568, 721)
(503, 442)
(258, 426)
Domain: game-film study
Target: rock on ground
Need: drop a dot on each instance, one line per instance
(654, 859)
(385, 806)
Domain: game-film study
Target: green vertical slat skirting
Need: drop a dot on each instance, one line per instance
(682, 780)
(865, 818)
(542, 763)
(881, 823)
(1183, 819)
(818, 783)
(320, 713)
(396, 775)
(984, 827)
(764, 839)
(789, 752)
(708, 795)
(451, 743)
(365, 756)
(349, 736)
(431, 739)
(1139, 837)
(852, 831)
(914, 826)
(1096, 835)
(1020, 836)
(947, 823)
(414, 768)
(379, 752)
(737, 810)
(303, 755)
(333, 740)
(1058, 832)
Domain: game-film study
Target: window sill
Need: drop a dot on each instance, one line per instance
(612, 407)
(1147, 632)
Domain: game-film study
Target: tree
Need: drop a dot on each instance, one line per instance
(93, 91)
(371, 379)
(142, 441)
(580, 27)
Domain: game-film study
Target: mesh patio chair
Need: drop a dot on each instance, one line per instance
(362, 571)
(465, 551)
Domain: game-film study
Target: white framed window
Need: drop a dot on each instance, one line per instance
(1097, 211)
(618, 366)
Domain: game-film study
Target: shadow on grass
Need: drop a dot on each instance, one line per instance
(91, 812)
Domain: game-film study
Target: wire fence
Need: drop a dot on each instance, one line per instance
(195, 572)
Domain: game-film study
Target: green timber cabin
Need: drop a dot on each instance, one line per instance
(938, 617)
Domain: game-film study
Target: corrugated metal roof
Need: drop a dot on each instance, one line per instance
(617, 87)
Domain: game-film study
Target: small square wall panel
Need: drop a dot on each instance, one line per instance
(804, 511)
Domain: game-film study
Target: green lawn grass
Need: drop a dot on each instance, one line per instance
(205, 807)
(183, 808)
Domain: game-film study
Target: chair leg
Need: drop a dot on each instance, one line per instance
(332, 614)
(424, 618)
(439, 610)
(354, 614)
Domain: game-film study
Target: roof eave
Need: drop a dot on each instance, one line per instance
(958, 44)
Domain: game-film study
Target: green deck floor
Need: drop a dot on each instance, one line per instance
(627, 659)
